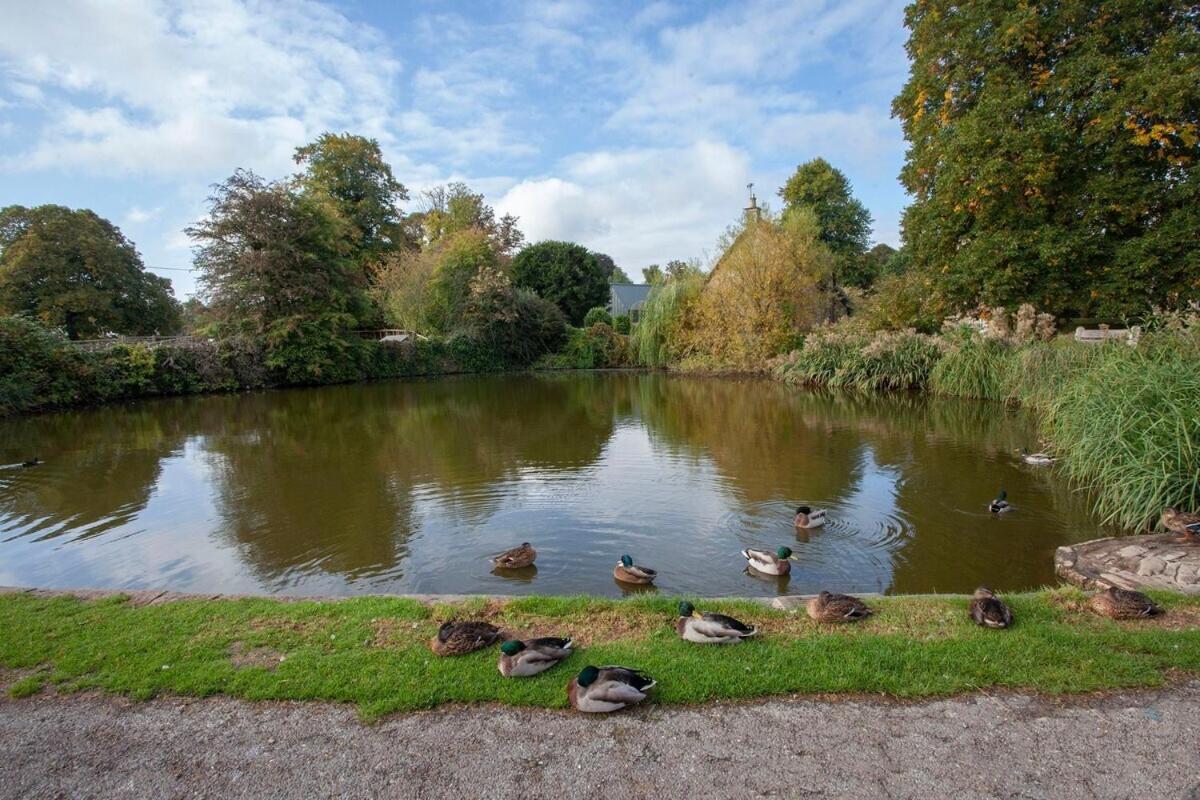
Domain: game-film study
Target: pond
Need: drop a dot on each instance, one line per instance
(411, 486)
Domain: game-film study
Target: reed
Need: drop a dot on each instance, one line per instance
(657, 325)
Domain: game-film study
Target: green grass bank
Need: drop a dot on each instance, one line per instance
(372, 651)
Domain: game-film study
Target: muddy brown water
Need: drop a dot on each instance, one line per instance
(410, 486)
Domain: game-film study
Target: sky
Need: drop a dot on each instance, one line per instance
(631, 128)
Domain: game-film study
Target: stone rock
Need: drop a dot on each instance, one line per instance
(1132, 551)
(1188, 573)
(1151, 566)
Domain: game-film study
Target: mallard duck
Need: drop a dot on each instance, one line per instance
(516, 558)
(830, 607)
(1000, 504)
(520, 659)
(710, 628)
(33, 462)
(458, 638)
(1123, 604)
(1036, 459)
(777, 563)
(599, 690)
(1185, 524)
(629, 572)
(988, 610)
(809, 518)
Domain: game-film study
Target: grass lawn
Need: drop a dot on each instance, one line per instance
(373, 651)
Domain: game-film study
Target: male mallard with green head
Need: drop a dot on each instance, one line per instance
(988, 610)
(1180, 522)
(521, 659)
(777, 563)
(629, 572)
(831, 607)
(600, 690)
(458, 638)
(1000, 504)
(708, 627)
(516, 558)
(808, 517)
(1123, 604)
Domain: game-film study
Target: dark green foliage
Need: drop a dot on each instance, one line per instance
(597, 314)
(1053, 154)
(76, 270)
(622, 324)
(564, 273)
(843, 222)
(36, 368)
(596, 347)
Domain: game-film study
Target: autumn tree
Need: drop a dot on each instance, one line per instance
(270, 256)
(350, 171)
(75, 270)
(1053, 153)
(653, 275)
(564, 273)
(843, 222)
(454, 207)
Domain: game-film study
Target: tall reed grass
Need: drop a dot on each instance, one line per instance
(656, 330)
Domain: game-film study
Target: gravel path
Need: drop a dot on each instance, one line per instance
(1143, 744)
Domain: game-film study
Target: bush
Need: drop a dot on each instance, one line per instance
(37, 367)
(566, 274)
(313, 351)
(622, 324)
(597, 347)
(597, 314)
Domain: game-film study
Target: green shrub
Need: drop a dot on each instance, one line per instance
(597, 347)
(597, 314)
(313, 351)
(622, 324)
(37, 367)
(656, 334)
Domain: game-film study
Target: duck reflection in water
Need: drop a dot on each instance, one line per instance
(520, 575)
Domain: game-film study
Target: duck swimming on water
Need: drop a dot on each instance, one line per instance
(808, 517)
(1000, 504)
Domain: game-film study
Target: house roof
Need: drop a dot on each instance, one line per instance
(630, 295)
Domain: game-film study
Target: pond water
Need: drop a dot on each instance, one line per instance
(410, 486)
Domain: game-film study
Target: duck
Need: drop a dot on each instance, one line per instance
(516, 558)
(1186, 524)
(628, 572)
(777, 563)
(601, 690)
(33, 462)
(456, 638)
(1000, 504)
(830, 607)
(808, 517)
(1123, 604)
(988, 610)
(708, 627)
(1036, 459)
(521, 659)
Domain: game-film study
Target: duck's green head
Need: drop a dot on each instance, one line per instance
(626, 562)
(783, 553)
(686, 609)
(587, 676)
(512, 647)
(1002, 496)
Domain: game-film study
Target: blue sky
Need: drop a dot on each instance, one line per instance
(629, 127)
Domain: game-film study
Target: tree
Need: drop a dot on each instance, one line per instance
(350, 171)
(653, 275)
(515, 324)
(269, 256)
(866, 268)
(459, 260)
(454, 207)
(843, 221)
(75, 270)
(565, 274)
(1053, 154)
(615, 274)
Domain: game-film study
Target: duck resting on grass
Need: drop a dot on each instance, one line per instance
(459, 638)
(1180, 522)
(809, 517)
(708, 627)
(830, 607)
(1123, 604)
(516, 558)
(629, 572)
(988, 610)
(1000, 504)
(1036, 459)
(600, 690)
(521, 659)
(777, 563)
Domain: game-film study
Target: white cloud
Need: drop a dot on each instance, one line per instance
(640, 206)
(140, 216)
